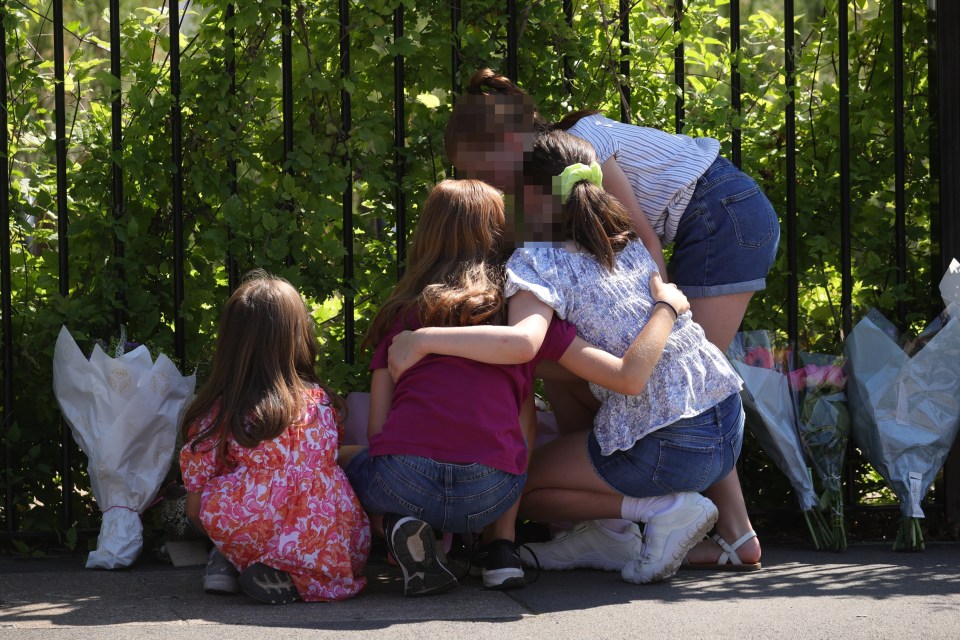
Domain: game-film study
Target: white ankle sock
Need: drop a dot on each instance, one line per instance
(642, 509)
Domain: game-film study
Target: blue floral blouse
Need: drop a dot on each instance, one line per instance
(609, 310)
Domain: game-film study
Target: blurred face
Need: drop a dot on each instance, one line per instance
(542, 212)
(498, 161)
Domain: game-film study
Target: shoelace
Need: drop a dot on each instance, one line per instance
(536, 560)
(476, 550)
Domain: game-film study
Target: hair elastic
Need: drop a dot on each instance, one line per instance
(564, 183)
(672, 308)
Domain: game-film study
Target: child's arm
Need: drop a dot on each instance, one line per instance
(628, 375)
(494, 344)
(381, 395)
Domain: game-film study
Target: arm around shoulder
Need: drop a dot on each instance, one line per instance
(492, 344)
(629, 375)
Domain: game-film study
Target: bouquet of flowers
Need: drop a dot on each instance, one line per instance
(905, 407)
(823, 423)
(123, 412)
(770, 412)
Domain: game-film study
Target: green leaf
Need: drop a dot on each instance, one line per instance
(428, 100)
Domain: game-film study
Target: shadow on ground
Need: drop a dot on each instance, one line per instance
(60, 593)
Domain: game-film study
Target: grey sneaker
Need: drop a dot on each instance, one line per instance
(221, 577)
(413, 546)
(667, 539)
(267, 584)
(502, 568)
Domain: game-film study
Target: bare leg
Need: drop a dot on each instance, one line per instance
(505, 527)
(572, 403)
(720, 318)
(732, 522)
(563, 485)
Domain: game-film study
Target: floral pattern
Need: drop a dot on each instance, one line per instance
(286, 504)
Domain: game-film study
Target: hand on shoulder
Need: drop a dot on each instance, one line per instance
(667, 292)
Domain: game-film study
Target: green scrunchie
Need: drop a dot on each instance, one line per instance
(563, 184)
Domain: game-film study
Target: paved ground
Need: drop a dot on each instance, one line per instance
(868, 591)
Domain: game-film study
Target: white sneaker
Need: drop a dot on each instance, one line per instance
(669, 537)
(588, 545)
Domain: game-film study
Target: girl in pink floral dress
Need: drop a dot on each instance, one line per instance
(260, 459)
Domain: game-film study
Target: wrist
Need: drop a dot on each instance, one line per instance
(668, 306)
(419, 340)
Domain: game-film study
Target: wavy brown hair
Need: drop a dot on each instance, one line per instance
(590, 217)
(455, 267)
(263, 365)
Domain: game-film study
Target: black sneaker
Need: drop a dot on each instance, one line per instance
(267, 584)
(501, 566)
(413, 546)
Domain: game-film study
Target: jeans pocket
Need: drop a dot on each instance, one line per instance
(389, 501)
(477, 521)
(753, 217)
(685, 467)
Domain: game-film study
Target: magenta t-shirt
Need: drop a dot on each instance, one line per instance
(453, 409)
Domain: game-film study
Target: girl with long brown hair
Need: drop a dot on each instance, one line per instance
(259, 459)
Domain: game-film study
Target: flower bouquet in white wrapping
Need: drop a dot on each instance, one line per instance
(123, 412)
(769, 407)
(905, 404)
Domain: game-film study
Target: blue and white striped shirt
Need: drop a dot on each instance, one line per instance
(662, 168)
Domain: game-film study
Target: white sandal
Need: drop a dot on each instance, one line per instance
(728, 560)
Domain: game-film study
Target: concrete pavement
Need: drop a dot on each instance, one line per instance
(868, 591)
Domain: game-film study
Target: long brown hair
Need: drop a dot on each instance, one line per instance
(264, 362)
(492, 105)
(590, 216)
(455, 267)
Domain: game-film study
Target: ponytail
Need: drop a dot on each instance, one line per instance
(590, 216)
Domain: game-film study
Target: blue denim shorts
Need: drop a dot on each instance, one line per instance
(727, 238)
(689, 455)
(459, 498)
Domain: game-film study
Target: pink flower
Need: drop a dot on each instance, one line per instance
(758, 357)
(815, 376)
(798, 378)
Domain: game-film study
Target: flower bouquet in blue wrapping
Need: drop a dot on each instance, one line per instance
(905, 403)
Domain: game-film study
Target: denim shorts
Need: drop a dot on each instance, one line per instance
(727, 237)
(689, 455)
(459, 498)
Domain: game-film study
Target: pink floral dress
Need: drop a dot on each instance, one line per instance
(286, 504)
